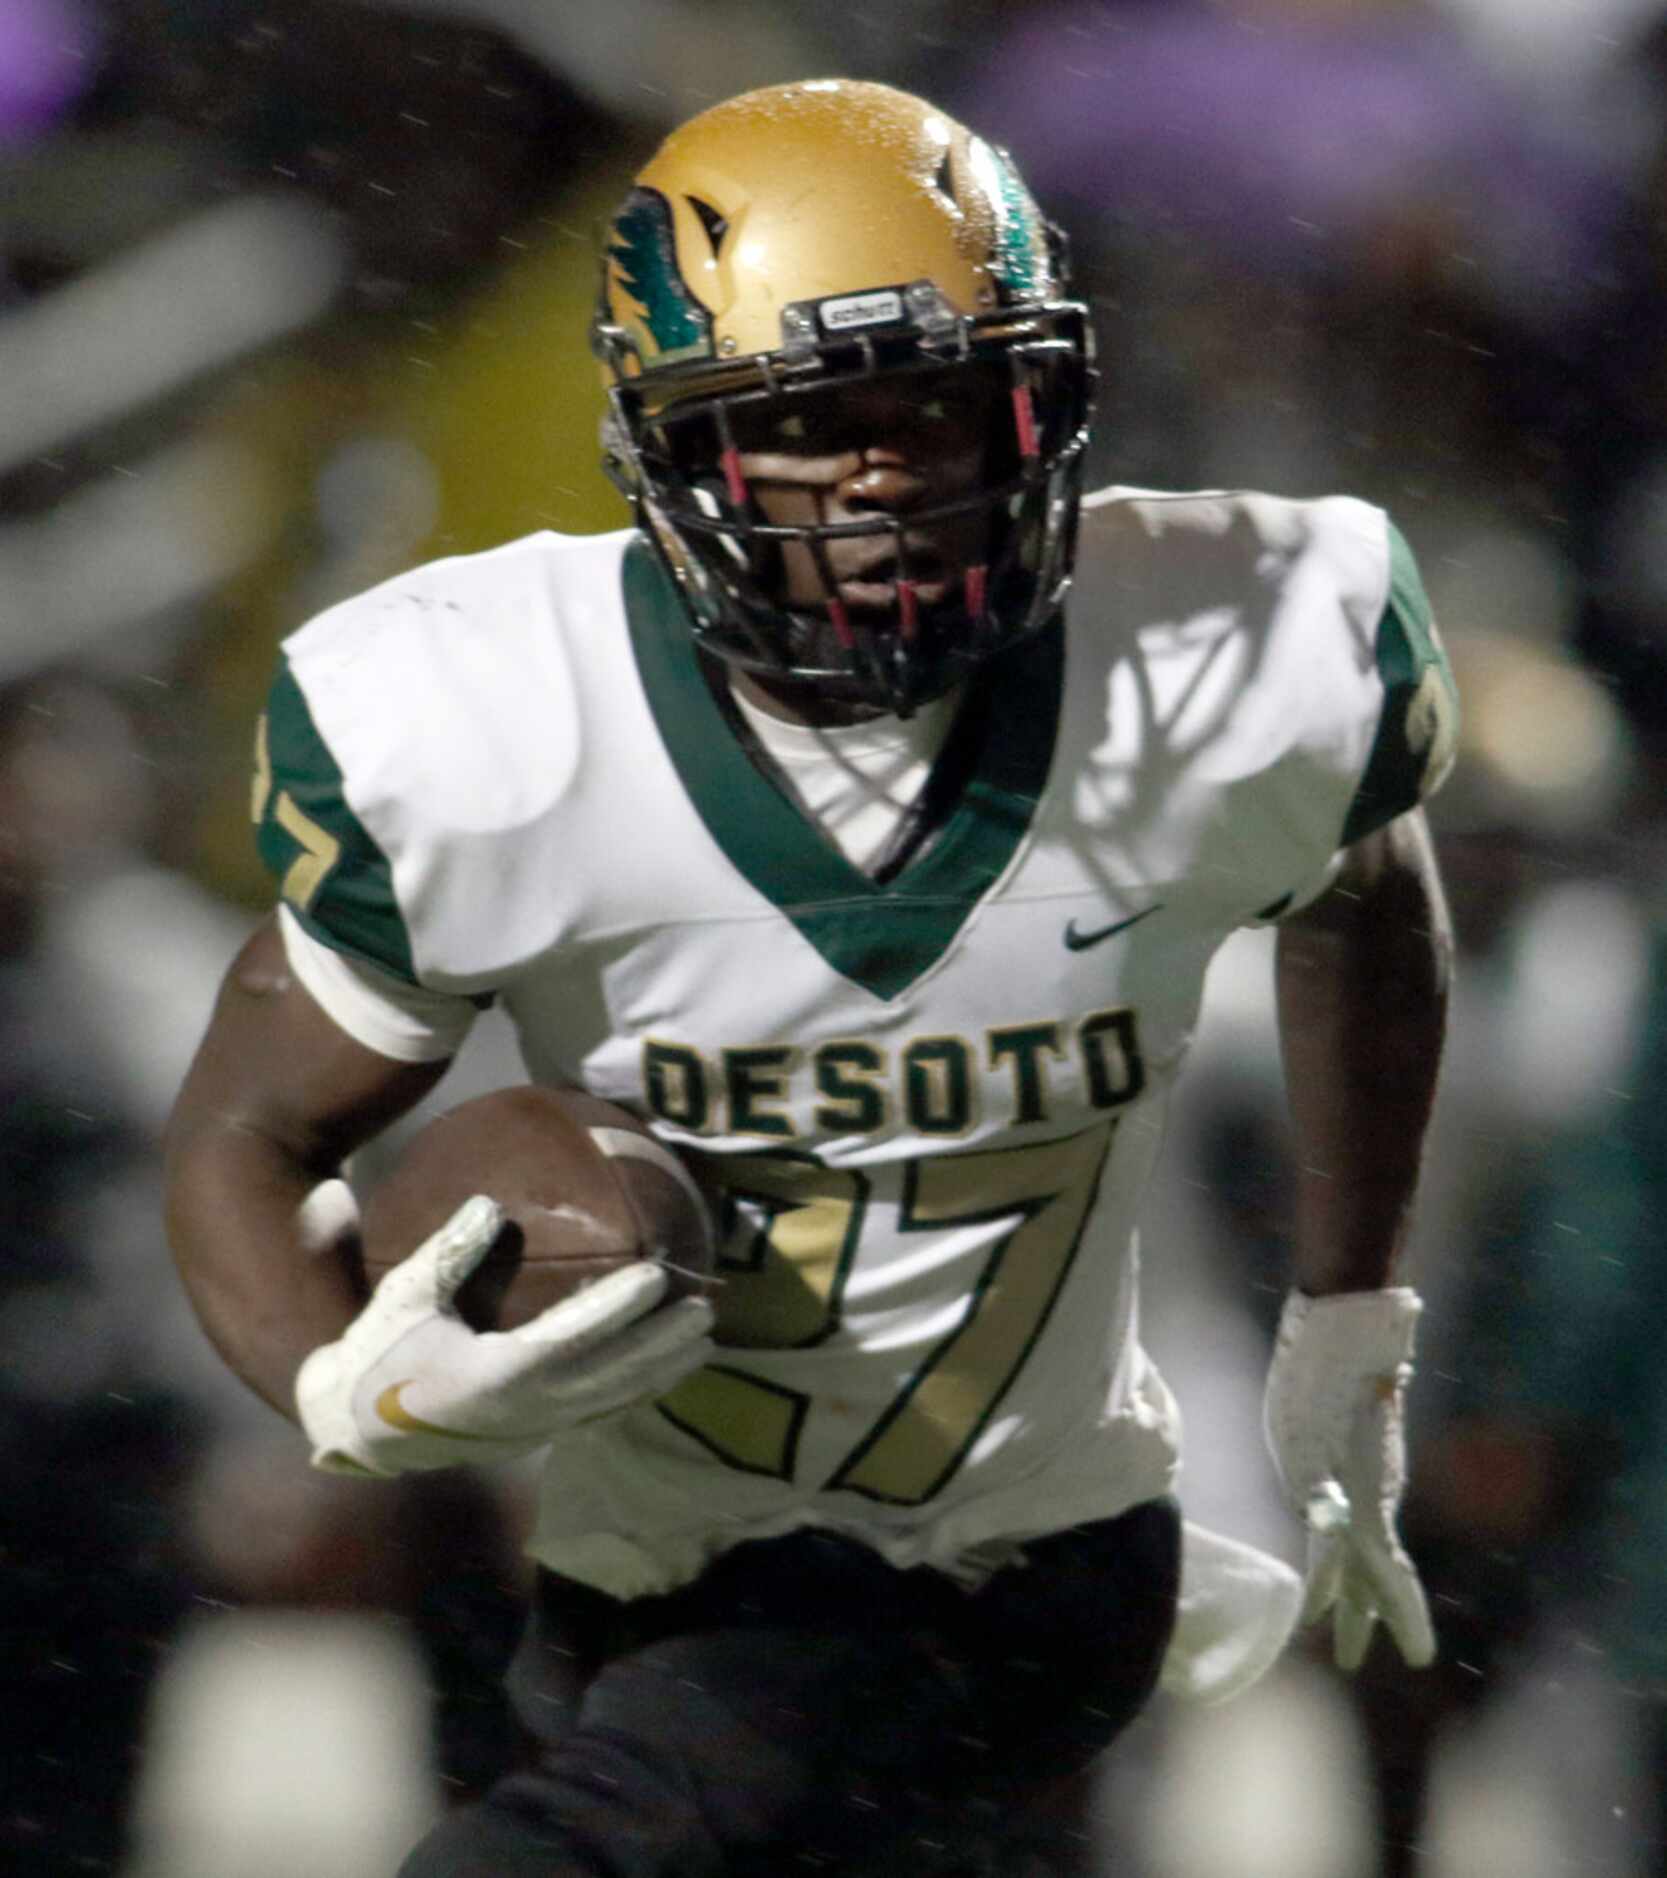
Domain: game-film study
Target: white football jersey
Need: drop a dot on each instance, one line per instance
(930, 1101)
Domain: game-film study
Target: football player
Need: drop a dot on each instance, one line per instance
(864, 818)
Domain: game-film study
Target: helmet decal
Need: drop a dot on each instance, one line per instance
(1021, 254)
(644, 250)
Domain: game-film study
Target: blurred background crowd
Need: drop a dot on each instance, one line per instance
(292, 294)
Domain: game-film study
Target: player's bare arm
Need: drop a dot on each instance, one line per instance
(1362, 987)
(265, 1236)
(276, 1100)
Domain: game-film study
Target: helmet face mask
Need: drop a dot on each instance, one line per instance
(885, 496)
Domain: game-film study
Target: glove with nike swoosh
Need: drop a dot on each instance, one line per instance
(1334, 1414)
(408, 1385)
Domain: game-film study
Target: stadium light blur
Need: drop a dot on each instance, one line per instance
(209, 290)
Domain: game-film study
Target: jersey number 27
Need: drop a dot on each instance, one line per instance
(786, 1288)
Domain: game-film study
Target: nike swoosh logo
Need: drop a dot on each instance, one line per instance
(1076, 941)
(390, 1409)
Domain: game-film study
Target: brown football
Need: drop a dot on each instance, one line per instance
(585, 1187)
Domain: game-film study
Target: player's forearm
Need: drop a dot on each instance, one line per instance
(1362, 990)
(267, 1285)
(276, 1100)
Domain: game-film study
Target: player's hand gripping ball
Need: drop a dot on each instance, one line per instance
(584, 1186)
(573, 1241)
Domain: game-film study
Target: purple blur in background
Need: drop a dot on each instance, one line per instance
(47, 58)
(1273, 138)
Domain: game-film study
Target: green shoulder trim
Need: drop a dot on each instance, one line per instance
(1419, 726)
(879, 935)
(332, 874)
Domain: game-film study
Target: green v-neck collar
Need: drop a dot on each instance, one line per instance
(882, 936)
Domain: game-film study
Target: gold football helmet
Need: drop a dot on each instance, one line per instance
(781, 249)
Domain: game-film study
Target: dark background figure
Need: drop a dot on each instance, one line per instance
(97, 1442)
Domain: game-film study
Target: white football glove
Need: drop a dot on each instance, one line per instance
(409, 1385)
(1334, 1415)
